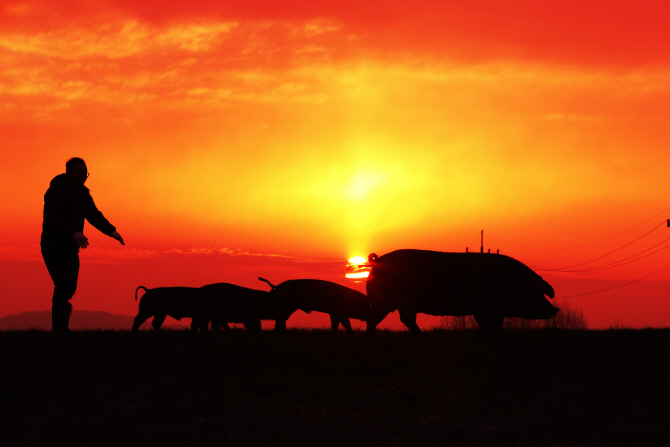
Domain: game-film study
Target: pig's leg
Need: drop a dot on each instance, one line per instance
(139, 319)
(280, 324)
(347, 325)
(198, 323)
(408, 318)
(158, 321)
(252, 325)
(334, 323)
(376, 316)
(489, 323)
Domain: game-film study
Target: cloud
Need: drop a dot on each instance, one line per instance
(119, 39)
(210, 63)
(105, 255)
(124, 38)
(239, 252)
(573, 118)
(20, 253)
(184, 66)
(195, 38)
(23, 9)
(96, 254)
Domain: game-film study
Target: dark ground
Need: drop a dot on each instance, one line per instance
(307, 387)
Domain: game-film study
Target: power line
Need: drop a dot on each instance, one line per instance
(606, 254)
(619, 263)
(612, 264)
(615, 287)
(627, 260)
(579, 246)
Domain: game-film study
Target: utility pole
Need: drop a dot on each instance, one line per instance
(481, 249)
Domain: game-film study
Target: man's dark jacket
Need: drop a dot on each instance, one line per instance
(66, 205)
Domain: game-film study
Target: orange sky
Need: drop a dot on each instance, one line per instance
(231, 139)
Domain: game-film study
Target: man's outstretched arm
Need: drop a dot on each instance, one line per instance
(95, 217)
(118, 237)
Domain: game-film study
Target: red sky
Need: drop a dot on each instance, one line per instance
(228, 140)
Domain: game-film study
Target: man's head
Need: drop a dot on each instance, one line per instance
(76, 170)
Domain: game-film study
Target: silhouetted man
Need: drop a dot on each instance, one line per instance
(67, 203)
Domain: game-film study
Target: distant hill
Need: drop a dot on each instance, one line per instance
(81, 319)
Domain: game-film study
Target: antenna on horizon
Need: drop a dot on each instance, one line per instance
(481, 248)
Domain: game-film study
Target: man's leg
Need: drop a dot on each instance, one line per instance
(64, 270)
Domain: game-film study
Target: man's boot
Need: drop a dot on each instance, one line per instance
(60, 316)
(67, 313)
(55, 318)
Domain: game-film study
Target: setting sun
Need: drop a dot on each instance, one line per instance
(358, 267)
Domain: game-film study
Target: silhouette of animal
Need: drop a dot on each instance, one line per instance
(224, 303)
(177, 302)
(488, 286)
(308, 295)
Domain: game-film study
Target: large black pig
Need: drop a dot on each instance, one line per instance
(308, 295)
(488, 286)
(224, 303)
(177, 302)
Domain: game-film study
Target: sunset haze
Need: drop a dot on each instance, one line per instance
(231, 140)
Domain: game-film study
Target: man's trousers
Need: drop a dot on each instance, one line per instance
(63, 266)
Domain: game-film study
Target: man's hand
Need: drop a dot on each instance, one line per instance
(118, 237)
(80, 239)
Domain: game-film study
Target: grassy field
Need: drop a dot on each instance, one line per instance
(307, 387)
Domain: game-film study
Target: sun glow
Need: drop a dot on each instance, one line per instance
(358, 267)
(309, 134)
(363, 184)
